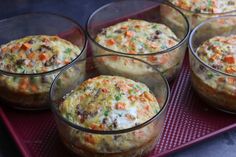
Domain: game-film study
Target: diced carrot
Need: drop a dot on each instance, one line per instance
(231, 80)
(21, 54)
(15, 48)
(215, 48)
(148, 96)
(31, 55)
(43, 56)
(132, 98)
(214, 57)
(105, 81)
(101, 127)
(153, 46)
(184, 5)
(67, 61)
(89, 138)
(26, 46)
(34, 88)
(114, 58)
(171, 42)
(123, 86)
(4, 49)
(221, 79)
(23, 85)
(100, 60)
(125, 27)
(104, 90)
(230, 69)
(120, 105)
(137, 26)
(93, 126)
(55, 37)
(143, 99)
(221, 21)
(81, 97)
(147, 107)
(110, 42)
(129, 34)
(229, 59)
(159, 100)
(164, 59)
(131, 85)
(132, 52)
(152, 58)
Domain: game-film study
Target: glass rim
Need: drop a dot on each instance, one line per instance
(108, 132)
(85, 42)
(168, 50)
(194, 52)
(211, 14)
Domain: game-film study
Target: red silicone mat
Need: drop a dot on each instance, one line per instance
(188, 121)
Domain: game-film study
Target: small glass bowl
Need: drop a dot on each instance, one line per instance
(147, 10)
(136, 141)
(36, 24)
(196, 18)
(221, 95)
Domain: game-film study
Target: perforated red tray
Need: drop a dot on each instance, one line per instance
(188, 121)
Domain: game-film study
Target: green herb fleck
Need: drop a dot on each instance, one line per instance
(154, 26)
(33, 80)
(156, 111)
(197, 10)
(69, 116)
(68, 50)
(118, 97)
(209, 3)
(138, 87)
(209, 75)
(15, 78)
(163, 47)
(106, 113)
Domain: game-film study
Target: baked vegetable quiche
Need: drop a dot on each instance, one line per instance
(32, 55)
(110, 103)
(206, 6)
(143, 40)
(198, 11)
(220, 53)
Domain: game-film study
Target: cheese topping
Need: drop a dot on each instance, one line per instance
(206, 6)
(220, 53)
(36, 54)
(137, 37)
(109, 103)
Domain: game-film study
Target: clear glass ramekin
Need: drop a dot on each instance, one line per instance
(135, 141)
(211, 84)
(36, 24)
(196, 18)
(168, 61)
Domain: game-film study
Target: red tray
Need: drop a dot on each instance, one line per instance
(188, 121)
